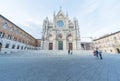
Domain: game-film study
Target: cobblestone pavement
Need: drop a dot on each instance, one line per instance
(83, 67)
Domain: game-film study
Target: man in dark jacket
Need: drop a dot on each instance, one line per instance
(68, 52)
(96, 52)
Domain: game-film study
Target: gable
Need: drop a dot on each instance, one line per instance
(60, 14)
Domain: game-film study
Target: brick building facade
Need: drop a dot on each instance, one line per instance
(13, 37)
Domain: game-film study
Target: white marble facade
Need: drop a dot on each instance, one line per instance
(61, 33)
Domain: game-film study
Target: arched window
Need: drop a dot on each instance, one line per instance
(17, 31)
(12, 29)
(5, 25)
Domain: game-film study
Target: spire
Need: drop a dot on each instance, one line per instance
(54, 14)
(66, 14)
(60, 8)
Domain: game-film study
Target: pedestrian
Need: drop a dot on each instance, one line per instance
(96, 52)
(71, 52)
(68, 51)
(100, 53)
(0, 44)
(0, 47)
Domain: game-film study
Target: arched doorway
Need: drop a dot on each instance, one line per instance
(70, 46)
(118, 50)
(50, 46)
(60, 45)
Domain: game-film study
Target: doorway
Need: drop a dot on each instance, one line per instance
(60, 45)
(70, 46)
(50, 46)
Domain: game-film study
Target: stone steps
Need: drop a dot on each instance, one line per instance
(57, 52)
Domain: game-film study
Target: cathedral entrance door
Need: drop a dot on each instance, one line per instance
(60, 45)
(50, 46)
(70, 46)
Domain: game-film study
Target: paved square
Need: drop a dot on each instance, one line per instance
(32, 66)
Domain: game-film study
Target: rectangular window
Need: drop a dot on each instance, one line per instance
(19, 40)
(17, 47)
(71, 26)
(7, 46)
(22, 47)
(9, 37)
(1, 34)
(13, 47)
(15, 39)
(23, 41)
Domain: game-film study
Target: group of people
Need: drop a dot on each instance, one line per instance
(69, 52)
(98, 53)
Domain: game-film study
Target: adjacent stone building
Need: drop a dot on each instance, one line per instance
(61, 33)
(13, 37)
(109, 43)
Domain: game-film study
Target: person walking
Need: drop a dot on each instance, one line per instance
(71, 52)
(96, 52)
(1, 43)
(100, 53)
(68, 51)
(0, 47)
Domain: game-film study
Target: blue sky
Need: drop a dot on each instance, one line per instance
(96, 17)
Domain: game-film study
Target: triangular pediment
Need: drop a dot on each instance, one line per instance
(60, 14)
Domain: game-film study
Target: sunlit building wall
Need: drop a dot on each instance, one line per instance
(109, 43)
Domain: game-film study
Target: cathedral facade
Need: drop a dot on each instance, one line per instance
(61, 33)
